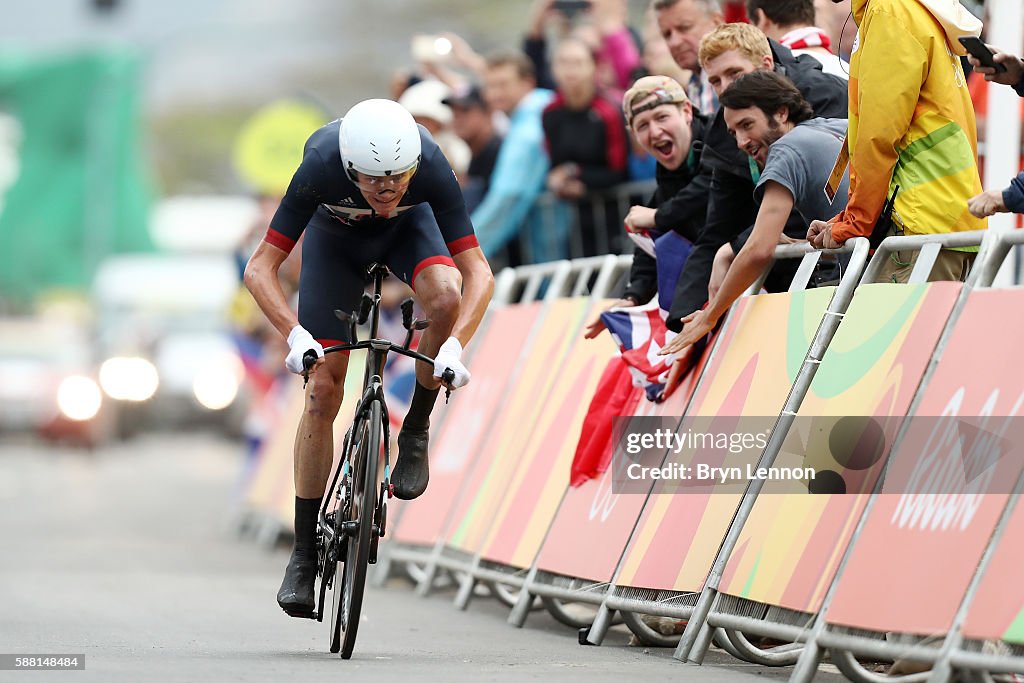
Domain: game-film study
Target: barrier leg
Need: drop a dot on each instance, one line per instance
(697, 622)
(598, 630)
(427, 582)
(517, 617)
(807, 665)
(942, 672)
(701, 645)
(465, 593)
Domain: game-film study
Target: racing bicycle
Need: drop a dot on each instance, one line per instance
(353, 517)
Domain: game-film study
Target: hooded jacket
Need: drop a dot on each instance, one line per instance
(681, 200)
(911, 119)
(731, 205)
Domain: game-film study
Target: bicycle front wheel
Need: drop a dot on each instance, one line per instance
(358, 512)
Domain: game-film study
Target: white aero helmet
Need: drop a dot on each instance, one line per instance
(379, 138)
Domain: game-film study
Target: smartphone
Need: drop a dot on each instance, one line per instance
(571, 8)
(430, 48)
(981, 52)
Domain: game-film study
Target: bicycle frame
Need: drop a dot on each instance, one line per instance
(373, 383)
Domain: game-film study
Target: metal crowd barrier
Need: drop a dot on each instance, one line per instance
(664, 603)
(587, 227)
(952, 652)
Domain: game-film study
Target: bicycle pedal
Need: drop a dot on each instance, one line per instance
(301, 615)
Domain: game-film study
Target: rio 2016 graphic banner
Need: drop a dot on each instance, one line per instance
(677, 536)
(790, 546)
(910, 567)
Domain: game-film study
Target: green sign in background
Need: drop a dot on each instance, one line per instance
(73, 187)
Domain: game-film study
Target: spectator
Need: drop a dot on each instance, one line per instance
(602, 26)
(727, 53)
(1012, 198)
(522, 165)
(473, 121)
(664, 123)
(912, 126)
(834, 17)
(791, 22)
(424, 101)
(734, 11)
(584, 131)
(655, 59)
(1014, 74)
(683, 23)
(586, 144)
(773, 123)
(999, 201)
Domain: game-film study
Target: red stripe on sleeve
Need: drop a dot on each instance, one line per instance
(432, 261)
(276, 239)
(463, 244)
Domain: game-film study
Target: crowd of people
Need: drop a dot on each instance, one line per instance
(743, 117)
(760, 122)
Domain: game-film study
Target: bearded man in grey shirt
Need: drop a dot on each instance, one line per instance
(795, 154)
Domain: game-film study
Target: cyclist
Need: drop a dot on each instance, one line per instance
(371, 187)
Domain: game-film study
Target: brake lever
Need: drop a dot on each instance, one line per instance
(447, 377)
(309, 359)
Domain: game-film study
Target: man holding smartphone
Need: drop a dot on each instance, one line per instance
(1013, 75)
(1012, 197)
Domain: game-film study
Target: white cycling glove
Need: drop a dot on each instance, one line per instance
(300, 341)
(450, 356)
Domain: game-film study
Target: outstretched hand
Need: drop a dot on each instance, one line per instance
(597, 326)
(695, 327)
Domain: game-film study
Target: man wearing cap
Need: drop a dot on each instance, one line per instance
(795, 153)
(727, 53)
(473, 122)
(665, 124)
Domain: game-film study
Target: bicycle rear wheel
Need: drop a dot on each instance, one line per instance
(357, 508)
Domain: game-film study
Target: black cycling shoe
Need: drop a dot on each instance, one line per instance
(296, 594)
(411, 472)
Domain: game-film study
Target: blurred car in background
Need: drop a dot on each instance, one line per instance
(49, 384)
(167, 357)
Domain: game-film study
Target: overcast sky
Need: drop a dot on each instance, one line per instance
(214, 50)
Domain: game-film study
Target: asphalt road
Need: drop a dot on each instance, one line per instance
(128, 555)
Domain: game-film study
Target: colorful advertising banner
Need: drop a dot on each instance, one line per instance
(522, 408)
(535, 489)
(997, 612)
(947, 482)
(679, 534)
(789, 547)
(456, 447)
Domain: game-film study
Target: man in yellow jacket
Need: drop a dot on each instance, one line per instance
(912, 125)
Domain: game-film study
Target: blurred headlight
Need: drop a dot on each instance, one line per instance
(216, 385)
(129, 379)
(79, 398)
